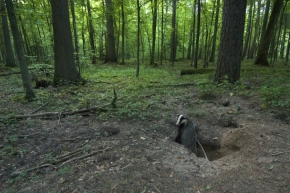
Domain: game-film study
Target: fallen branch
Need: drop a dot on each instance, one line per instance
(63, 158)
(66, 113)
(38, 109)
(279, 153)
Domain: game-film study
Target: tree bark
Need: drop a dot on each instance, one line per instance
(262, 55)
(253, 47)
(65, 68)
(154, 31)
(29, 93)
(197, 34)
(91, 33)
(138, 38)
(248, 30)
(75, 34)
(173, 34)
(10, 60)
(214, 39)
(111, 50)
(231, 42)
(123, 32)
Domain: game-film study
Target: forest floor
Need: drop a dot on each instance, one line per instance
(129, 148)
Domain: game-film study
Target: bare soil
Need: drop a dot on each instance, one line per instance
(248, 149)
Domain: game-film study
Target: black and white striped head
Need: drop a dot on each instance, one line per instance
(181, 119)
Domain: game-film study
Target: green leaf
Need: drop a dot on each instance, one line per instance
(271, 167)
(208, 187)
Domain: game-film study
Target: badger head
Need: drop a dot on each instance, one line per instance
(181, 119)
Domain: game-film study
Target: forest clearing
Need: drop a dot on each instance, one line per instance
(74, 153)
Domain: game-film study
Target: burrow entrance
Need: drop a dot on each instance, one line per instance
(212, 152)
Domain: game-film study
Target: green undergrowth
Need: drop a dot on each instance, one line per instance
(146, 97)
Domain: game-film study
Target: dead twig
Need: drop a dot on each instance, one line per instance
(126, 166)
(82, 157)
(66, 113)
(279, 153)
(39, 108)
(60, 159)
(202, 149)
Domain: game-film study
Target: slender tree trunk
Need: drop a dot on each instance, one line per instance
(29, 93)
(10, 60)
(111, 50)
(123, 33)
(193, 37)
(65, 68)
(173, 33)
(138, 38)
(214, 39)
(287, 49)
(249, 30)
(154, 31)
(197, 34)
(231, 42)
(162, 32)
(188, 56)
(252, 50)
(265, 20)
(75, 35)
(262, 55)
(91, 33)
(279, 33)
(83, 28)
(284, 37)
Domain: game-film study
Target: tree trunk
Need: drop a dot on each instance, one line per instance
(173, 34)
(262, 55)
(284, 37)
(153, 31)
(123, 33)
(249, 30)
(65, 68)
(111, 50)
(231, 42)
(162, 32)
(75, 34)
(29, 93)
(91, 33)
(10, 60)
(252, 50)
(265, 20)
(214, 39)
(197, 34)
(193, 36)
(138, 38)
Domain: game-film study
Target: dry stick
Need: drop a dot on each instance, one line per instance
(279, 153)
(126, 166)
(202, 149)
(35, 111)
(156, 188)
(70, 153)
(82, 157)
(84, 110)
(56, 167)
(59, 115)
